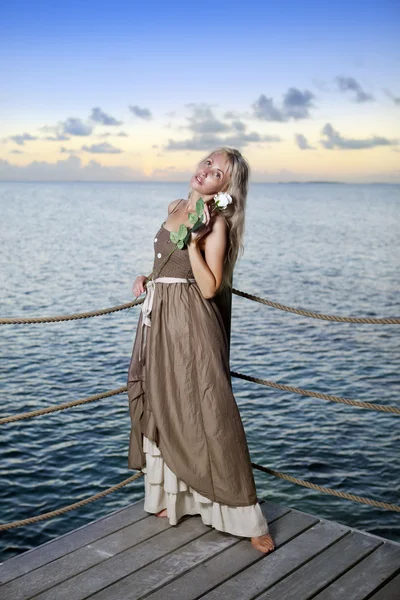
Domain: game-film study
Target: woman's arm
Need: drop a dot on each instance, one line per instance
(208, 270)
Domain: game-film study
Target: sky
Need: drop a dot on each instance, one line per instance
(142, 91)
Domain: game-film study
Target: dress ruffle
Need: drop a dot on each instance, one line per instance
(163, 489)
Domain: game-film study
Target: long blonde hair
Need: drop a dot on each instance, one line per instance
(234, 213)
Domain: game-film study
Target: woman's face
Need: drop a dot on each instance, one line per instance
(212, 175)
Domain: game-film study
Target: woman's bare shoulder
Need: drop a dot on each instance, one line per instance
(220, 224)
(172, 205)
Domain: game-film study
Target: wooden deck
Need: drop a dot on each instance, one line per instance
(131, 554)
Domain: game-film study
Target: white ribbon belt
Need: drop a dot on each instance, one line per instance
(148, 303)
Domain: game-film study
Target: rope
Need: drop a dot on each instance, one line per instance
(60, 511)
(44, 411)
(326, 490)
(289, 388)
(308, 484)
(85, 315)
(273, 384)
(314, 315)
(297, 311)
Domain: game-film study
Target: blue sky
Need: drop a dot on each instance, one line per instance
(141, 91)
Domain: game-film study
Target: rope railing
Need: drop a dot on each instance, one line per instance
(60, 511)
(297, 311)
(302, 482)
(266, 382)
(327, 490)
(315, 315)
(310, 485)
(74, 316)
(288, 388)
(51, 409)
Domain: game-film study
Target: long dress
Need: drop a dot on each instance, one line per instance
(187, 435)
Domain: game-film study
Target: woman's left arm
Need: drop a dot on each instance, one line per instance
(208, 270)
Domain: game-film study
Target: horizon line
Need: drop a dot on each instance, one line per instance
(185, 182)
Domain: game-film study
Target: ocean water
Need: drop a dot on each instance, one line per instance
(72, 247)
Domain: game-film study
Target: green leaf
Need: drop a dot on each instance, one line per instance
(197, 225)
(193, 218)
(185, 241)
(180, 244)
(200, 206)
(174, 237)
(182, 231)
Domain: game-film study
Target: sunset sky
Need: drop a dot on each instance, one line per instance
(140, 91)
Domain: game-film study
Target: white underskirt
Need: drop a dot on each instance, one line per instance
(163, 489)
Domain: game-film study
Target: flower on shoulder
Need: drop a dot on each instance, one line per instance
(222, 199)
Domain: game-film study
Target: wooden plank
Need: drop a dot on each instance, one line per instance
(67, 566)
(274, 566)
(367, 576)
(128, 562)
(63, 544)
(217, 569)
(323, 569)
(391, 591)
(162, 571)
(168, 567)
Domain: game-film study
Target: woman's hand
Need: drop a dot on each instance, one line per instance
(195, 236)
(138, 285)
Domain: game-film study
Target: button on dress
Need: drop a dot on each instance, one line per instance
(187, 435)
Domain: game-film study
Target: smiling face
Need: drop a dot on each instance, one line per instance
(212, 175)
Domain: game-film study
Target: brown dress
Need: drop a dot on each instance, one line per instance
(180, 393)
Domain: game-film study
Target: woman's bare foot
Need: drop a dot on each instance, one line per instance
(162, 513)
(265, 543)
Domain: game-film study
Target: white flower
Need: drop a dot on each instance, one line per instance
(222, 199)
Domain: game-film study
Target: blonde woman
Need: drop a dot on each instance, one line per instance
(187, 435)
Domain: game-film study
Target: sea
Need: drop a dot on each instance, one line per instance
(70, 247)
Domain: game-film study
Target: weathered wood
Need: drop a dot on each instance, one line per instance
(278, 564)
(168, 567)
(132, 555)
(221, 567)
(391, 591)
(366, 576)
(316, 574)
(128, 562)
(172, 566)
(47, 552)
(61, 569)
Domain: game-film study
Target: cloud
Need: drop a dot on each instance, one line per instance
(104, 148)
(73, 126)
(396, 99)
(69, 169)
(59, 137)
(206, 142)
(231, 115)
(207, 132)
(349, 84)
(64, 150)
(296, 105)
(142, 113)
(265, 110)
(203, 120)
(101, 117)
(335, 140)
(302, 142)
(109, 134)
(22, 138)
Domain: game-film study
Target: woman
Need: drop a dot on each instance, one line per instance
(187, 435)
